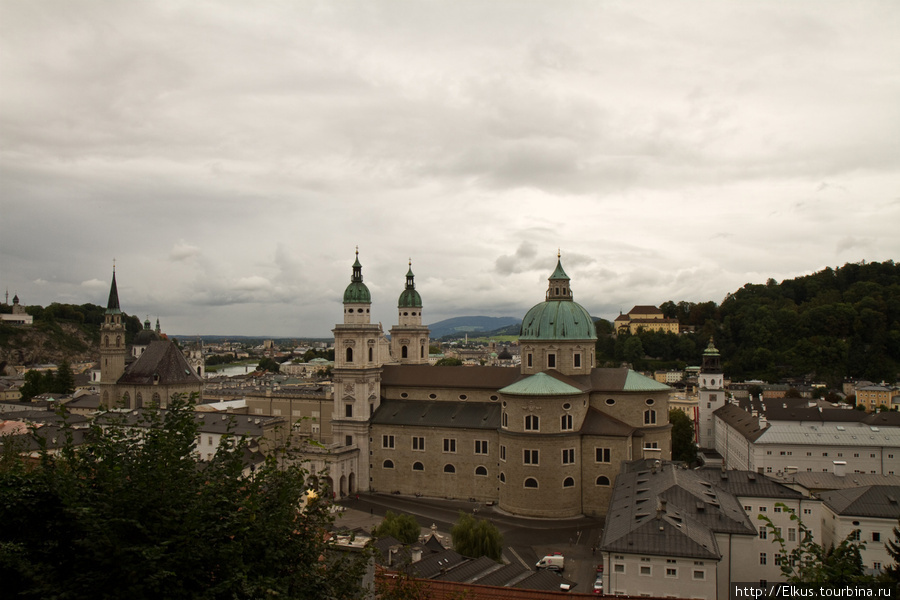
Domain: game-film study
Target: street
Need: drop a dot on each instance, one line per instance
(525, 540)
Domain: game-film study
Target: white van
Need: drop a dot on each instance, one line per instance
(553, 562)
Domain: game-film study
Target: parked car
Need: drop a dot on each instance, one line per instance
(598, 585)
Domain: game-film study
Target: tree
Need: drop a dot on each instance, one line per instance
(132, 513)
(449, 362)
(64, 380)
(35, 384)
(476, 537)
(403, 527)
(891, 573)
(683, 446)
(810, 562)
(268, 364)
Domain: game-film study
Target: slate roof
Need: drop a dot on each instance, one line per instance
(162, 358)
(822, 480)
(492, 378)
(878, 501)
(598, 423)
(506, 575)
(544, 580)
(740, 420)
(470, 570)
(474, 415)
(250, 425)
(670, 511)
(747, 484)
(432, 566)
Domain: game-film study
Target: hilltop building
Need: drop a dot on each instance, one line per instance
(648, 318)
(545, 439)
(159, 371)
(18, 315)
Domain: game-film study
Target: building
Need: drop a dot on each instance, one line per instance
(866, 514)
(711, 395)
(874, 396)
(159, 372)
(544, 440)
(789, 435)
(18, 315)
(679, 533)
(646, 318)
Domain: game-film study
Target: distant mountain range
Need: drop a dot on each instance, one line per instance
(476, 326)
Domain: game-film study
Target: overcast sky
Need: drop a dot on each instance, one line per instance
(231, 156)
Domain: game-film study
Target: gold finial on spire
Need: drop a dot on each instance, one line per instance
(114, 265)
(558, 253)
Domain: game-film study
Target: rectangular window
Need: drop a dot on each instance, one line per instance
(532, 423)
(568, 456)
(530, 363)
(763, 532)
(876, 536)
(777, 559)
(646, 570)
(792, 534)
(449, 445)
(699, 575)
(577, 360)
(348, 410)
(565, 423)
(348, 440)
(670, 572)
(762, 509)
(602, 455)
(418, 443)
(763, 558)
(551, 361)
(502, 452)
(619, 568)
(387, 441)
(748, 508)
(778, 509)
(531, 457)
(481, 446)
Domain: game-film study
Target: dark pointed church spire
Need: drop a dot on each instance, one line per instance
(112, 305)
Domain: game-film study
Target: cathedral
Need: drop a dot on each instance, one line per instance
(545, 439)
(152, 373)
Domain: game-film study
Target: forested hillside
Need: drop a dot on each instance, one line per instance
(829, 325)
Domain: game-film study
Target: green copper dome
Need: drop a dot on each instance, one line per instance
(557, 320)
(558, 317)
(357, 292)
(410, 298)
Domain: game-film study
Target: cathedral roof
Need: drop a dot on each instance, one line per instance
(161, 363)
(112, 305)
(540, 384)
(469, 415)
(410, 298)
(557, 320)
(357, 292)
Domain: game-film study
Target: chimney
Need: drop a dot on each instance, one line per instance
(840, 467)
(653, 453)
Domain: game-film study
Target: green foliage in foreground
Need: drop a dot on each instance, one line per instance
(477, 537)
(683, 446)
(403, 527)
(810, 562)
(132, 513)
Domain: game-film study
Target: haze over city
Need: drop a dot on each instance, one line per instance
(231, 156)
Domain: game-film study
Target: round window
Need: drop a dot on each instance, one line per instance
(610, 401)
(567, 406)
(649, 401)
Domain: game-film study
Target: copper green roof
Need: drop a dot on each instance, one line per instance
(559, 273)
(112, 305)
(357, 292)
(635, 382)
(557, 320)
(711, 349)
(540, 384)
(410, 298)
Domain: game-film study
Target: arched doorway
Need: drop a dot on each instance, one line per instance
(343, 490)
(351, 483)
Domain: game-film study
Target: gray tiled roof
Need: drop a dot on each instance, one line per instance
(670, 511)
(879, 501)
(474, 415)
(164, 360)
(504, 576)
(544, 580)
(747, 484)
(470, 570)
(432, 566)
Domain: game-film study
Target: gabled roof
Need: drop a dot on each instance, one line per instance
(540, 384)
(635, 382)
(474, 415)
(644, 309)
(747, 484)
(161, 363)
(878, 501)
(492, 378)
(599, 423)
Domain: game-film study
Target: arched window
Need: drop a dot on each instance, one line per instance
(448, 468)
(118, 341)
(349, 354)
(505, 421)
(417, 466)
(481, 471)
(421, 351)
(404, 352)
(603, 480)
(155, 398)
(565, 422)
(531, 482)
(126, 398)
(388, 464)
(370, 354)
(502, 477)
(139, 400)
(106, 341)
(532, 423)
(568, 482)
(650, 417)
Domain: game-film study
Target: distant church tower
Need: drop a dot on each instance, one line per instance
(711, 382)
(409, 338)
(357, 378)
(112, 347)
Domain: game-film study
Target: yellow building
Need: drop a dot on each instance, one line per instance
(647, 318)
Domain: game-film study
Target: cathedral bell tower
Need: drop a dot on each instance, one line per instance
(357, 378)
(409, 338)
(112, 347)
(711, 382)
